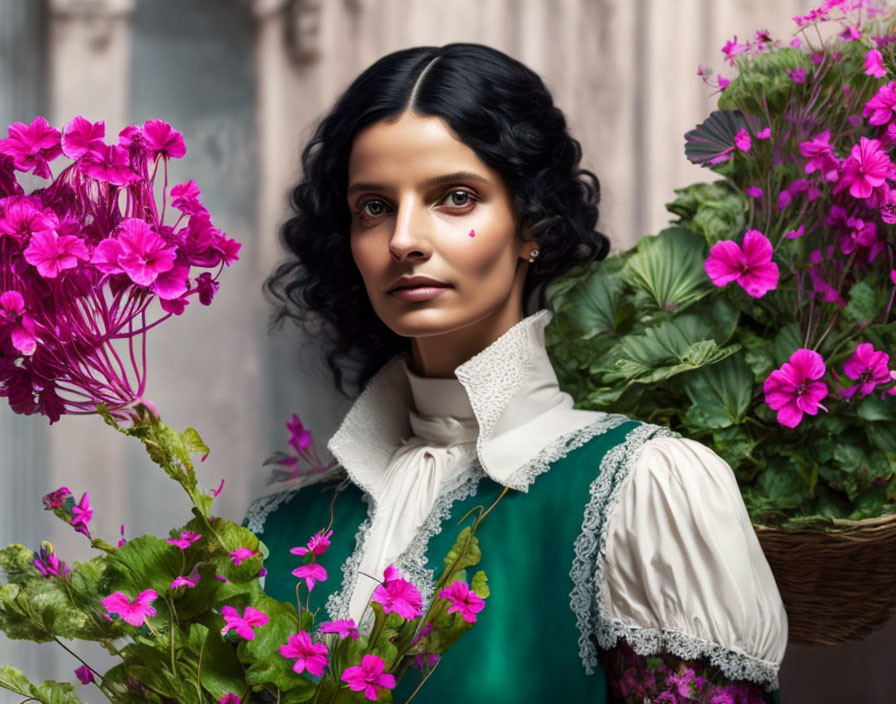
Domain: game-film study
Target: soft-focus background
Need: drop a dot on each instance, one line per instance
(245, 80)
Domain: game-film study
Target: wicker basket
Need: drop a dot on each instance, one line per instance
(839, 585)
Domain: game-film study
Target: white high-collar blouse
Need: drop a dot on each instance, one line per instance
(682, 569)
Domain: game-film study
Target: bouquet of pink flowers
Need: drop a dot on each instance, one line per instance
(761, 322)
(88, 265)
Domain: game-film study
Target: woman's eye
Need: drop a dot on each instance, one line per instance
(458, 198)
(373, 208)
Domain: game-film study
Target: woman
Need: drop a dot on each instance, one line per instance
(440, 196)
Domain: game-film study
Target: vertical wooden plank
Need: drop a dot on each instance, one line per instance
(605, 118)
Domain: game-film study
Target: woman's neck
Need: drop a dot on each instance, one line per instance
(439, 355)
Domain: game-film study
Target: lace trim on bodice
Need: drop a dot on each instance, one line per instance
(589, 577)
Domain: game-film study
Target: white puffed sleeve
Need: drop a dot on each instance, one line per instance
(684, 571)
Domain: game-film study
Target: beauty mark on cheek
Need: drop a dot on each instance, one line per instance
(472, 233)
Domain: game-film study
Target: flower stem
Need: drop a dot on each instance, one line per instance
(422, 682)
(99, 683)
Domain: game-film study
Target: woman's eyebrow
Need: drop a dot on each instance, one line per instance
(434, 181)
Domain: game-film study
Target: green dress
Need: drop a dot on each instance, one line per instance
(544, 626)
(527, 644)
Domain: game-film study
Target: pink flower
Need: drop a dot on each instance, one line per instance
(22, 219)
(398, 595)
(185, 197)
(55, 499)
(84, 674)
(426, 661)
(723, 82)
(52, 254)
(299, 438)
(796, 234)
(851, 33)
(861, 234)
(368, 677)
(182, 581)
(794, 389)
(754, 192)
(865, 169)
(108, 164)
(874, 64)
(317, 544)
(682, 681)
(784, 199)
(463, 600)
(207, 287)
(243, 625)
(343, 627)
(796, 43)
(798, 75)
(186, 539)
(144, 254)
(22, 331)
(32, 146)
(764, 133)
(821, 156)
(82, 513)
(81, 136)
(751, 267)
(230, 698)
(164, 140)
(742, 140)
(241, 554)
(732, 48)
(868, 367)
(133, 612)
(309, 656)
(312, 574)
(881, 109)
(47, 562)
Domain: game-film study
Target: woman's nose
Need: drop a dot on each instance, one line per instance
(409, 236)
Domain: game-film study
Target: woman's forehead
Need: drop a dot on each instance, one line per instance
(412, 148)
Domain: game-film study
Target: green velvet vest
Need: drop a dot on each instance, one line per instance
(528, 643)
(525, 645)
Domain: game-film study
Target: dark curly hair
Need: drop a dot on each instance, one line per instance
(495, 105)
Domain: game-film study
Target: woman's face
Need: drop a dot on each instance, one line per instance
(423, 204)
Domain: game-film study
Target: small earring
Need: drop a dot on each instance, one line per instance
(533, 255)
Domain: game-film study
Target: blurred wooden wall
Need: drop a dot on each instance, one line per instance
(623, 71)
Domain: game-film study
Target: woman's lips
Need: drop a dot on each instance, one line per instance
(415, 294)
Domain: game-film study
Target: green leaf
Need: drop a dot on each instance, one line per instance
(865, 302)
(221, 669)
(39, 612)
(17, 563)
(592, 305)
(464, 553)
(787, 341)
(261, 656)
(882, 436)
(669, 267)
(480, 585)
(146, 562)
(874, 408)
(48, 692)
(782, 484)
(684, 343)
(720, 393)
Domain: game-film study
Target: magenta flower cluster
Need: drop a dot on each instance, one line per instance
(88, 263)
(827, 224)
(665, 680)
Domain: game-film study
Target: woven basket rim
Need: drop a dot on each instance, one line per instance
(836, 525)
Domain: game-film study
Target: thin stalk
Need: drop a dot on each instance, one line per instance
(422, 682)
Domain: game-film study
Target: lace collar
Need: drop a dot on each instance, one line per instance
(512, 390)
